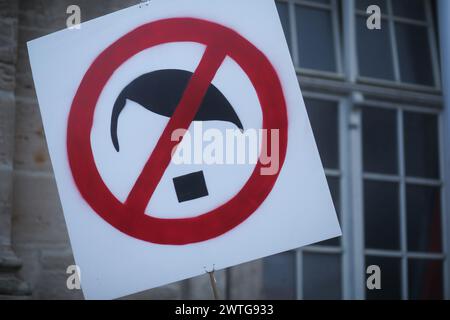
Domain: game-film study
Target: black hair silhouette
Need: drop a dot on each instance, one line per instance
(161, 91)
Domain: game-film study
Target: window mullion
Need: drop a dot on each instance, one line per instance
(349, 34)
(355, 167)
(433, 45)
(443, 8)
(299, 273)
(445, 221)
(345, 196)
(294, 35)
(393, 39)
(402, 204)
(336, 36)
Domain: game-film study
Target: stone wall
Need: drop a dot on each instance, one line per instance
(35, 250)
(10, 283)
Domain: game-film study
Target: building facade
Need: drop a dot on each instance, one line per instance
(375, 99)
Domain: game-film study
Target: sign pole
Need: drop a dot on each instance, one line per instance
(212, 280)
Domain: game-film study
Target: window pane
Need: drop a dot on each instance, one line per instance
(425, 279)
(414, 54)
(321, 276)
(283, 11)
(423, 218)
(320, 1)
(413, 9)
(364, 4)
(334, 186)
(324, 121)
(390, 278)
(421, 145)
(280, 276)
(381, 215)
(315, 38)
(374, 51)
(380, 140)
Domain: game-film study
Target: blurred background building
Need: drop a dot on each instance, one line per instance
(375, 100)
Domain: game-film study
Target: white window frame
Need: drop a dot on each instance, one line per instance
(352, 95)
(359, 93)
(352, 246)
(403, 180)
(333, 9)
(342, 174)
(391, 19)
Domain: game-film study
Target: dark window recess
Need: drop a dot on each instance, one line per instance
(412, 9)
(322, 276)
(283, 12)
(390, 278)
(364, 4)
(423, 212)
(380, 141)
(321, 1)
(414, 54)
(374, 51)
(421, 145)
(425, 278)
(316, 45)
(333, 184)
(381, 215)
(279, 276)
(324, 121)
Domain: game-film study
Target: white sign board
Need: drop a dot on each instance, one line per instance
(141, 108)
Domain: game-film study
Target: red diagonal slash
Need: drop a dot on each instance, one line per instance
(181, 119)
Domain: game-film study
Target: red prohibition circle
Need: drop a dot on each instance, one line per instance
(129, 217)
